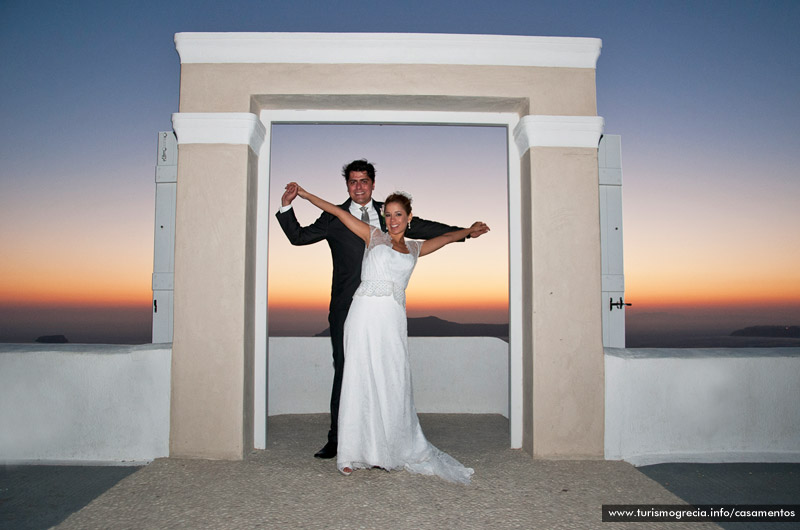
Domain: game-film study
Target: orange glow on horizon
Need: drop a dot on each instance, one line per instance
(710, 292)
(307, 305)
(641, 299)
(83, 299)
(659, 303)
(48, 268)
(134, 291)
(70, 288)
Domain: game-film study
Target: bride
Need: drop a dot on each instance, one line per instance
(378, 424)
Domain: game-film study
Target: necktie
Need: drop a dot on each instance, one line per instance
(364, 214)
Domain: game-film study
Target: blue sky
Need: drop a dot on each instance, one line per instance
(705, 94)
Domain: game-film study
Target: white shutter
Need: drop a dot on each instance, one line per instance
(609, 158)
(164, 237)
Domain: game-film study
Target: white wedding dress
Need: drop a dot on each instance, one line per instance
(378, 424)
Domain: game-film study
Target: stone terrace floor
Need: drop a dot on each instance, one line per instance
(285, 487)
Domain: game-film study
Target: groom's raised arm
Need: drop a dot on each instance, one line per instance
(303, 235)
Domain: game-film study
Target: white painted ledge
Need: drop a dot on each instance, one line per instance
(84, 404)
(238, 128)
(702, 405)
(388, 48)
(558, 131)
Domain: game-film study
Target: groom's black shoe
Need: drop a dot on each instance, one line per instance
(329, 451)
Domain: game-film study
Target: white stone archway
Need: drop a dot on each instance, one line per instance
(541, 89)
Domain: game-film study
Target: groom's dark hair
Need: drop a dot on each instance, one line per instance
(359, 165)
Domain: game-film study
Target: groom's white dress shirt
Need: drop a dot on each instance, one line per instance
(355, 209)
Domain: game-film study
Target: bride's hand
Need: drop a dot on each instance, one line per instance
(477, 229)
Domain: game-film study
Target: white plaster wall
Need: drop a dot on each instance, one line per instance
(450, 374)
(110, 404)
(702, 405)
(84, 403)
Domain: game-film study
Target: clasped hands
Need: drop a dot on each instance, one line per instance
(477, 229)
(293, 189)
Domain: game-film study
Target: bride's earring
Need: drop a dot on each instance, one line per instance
(409, 225)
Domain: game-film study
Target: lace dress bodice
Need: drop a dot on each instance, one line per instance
(385, 271)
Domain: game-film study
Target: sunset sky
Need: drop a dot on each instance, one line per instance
(456, 175)
(706, 97)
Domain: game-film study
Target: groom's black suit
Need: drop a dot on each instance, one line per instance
(347, 251)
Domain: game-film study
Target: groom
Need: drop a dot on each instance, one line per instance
(347, 250)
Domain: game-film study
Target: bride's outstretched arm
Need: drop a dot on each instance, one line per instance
(432, 245)
(357, 226)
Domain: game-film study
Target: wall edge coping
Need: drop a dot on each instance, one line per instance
(701, 353)
(388, 48)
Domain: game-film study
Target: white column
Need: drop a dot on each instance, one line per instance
(554, 137)
(164, 236)
(240, 128)
(609, 159)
